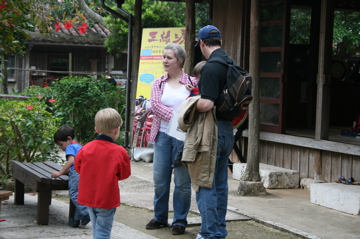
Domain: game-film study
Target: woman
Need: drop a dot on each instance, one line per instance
(167, 94)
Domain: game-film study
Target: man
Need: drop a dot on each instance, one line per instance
(212, 202)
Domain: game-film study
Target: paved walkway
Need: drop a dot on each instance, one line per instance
(286, 209)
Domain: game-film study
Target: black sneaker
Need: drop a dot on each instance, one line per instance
(153, 224)
(178, 230)
(85, 220)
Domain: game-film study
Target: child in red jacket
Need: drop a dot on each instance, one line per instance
(101, 164)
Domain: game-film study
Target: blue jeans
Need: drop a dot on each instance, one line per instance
(166, 149)
(101, 221)
(212, 202)
(80, 210)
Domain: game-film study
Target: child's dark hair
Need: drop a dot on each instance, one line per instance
(63, 133)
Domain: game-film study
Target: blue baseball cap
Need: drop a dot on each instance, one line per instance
(208, 31)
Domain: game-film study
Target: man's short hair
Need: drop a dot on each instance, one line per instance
(107, 120)
(212, 41)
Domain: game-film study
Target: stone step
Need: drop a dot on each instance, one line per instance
(271, 176)
(338, 196)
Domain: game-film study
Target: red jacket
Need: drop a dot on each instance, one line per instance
(101, 164)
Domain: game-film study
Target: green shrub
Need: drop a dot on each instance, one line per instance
(26, 133)
(78, 99)
(27, 127)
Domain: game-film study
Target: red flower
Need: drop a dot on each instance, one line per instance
(68, 24)
(83, 28)
(2, 5)
(57, 26)
(30, 107)
(39, 96)
(52, 101)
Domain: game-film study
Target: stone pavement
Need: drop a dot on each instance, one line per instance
(283, 213)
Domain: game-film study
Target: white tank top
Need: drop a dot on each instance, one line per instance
(172, 98)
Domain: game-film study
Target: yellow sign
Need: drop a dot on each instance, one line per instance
(152, 45)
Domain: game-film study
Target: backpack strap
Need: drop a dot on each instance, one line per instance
(190, 81)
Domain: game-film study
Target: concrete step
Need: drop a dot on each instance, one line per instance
(271, 176)
(338, 196)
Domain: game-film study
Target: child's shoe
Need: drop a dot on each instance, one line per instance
(85, 220)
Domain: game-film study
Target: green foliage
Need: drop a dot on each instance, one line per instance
(202, 17)
(154, 14)
(346, 36)
(12, 22)
(300, 26)
(79, 98)
(26, 133)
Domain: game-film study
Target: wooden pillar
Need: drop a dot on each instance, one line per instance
(93, 67)
(252, 168)
(190, 36)
(323, 77)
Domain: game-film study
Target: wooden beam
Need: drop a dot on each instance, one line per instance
(324, 145)
(190, 36)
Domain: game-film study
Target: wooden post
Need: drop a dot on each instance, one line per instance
(190, 36)
(323, 77)
(19, 193)
(252, 168)
(44, 201)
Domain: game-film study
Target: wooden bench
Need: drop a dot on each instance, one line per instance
(4, 195)
(37, 176)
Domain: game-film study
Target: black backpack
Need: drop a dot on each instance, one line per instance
(236, 94)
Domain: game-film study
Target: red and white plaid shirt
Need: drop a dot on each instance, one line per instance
(160, 111)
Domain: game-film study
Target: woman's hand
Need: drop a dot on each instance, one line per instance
(189, 87)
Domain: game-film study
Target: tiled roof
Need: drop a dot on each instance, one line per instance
(94, 35)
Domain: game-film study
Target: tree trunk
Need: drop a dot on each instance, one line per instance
(4, 77)
(90, 13)
(252, 168)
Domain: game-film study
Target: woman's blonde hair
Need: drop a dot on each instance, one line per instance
(107, 120)
(179, 52)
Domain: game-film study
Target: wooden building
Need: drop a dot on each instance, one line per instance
(307, 97)
(49, 57)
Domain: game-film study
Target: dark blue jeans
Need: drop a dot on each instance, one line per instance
(80, 210)
(212, 202)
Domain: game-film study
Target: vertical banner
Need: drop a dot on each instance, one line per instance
(152, 45)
